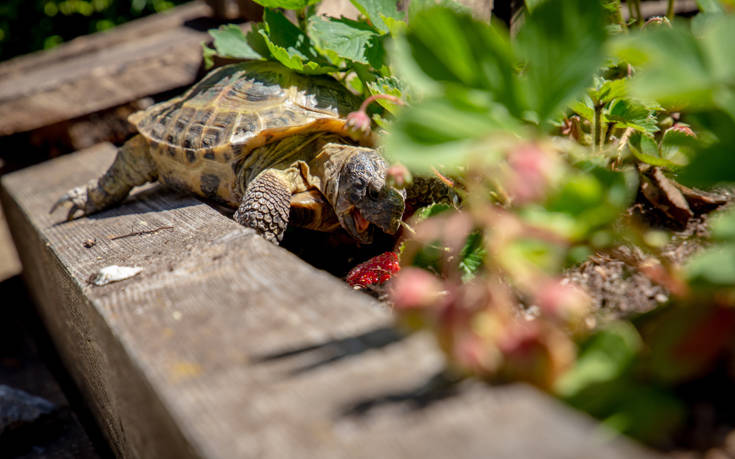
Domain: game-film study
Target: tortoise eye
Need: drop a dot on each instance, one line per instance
(373, 193)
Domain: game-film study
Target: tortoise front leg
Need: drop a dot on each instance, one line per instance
(265, 205)
(133, 166)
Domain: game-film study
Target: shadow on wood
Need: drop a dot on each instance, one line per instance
(188, 358)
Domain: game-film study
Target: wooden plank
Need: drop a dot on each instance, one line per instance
(226, 346)
(146, 56)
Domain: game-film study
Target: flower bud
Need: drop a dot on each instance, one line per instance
(415, 288)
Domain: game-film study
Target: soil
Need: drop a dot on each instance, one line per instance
(617, 287)
(619, 290)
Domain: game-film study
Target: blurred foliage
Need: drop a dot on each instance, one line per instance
(549, 137)
(32, 25)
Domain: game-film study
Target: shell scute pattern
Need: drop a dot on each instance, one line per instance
(207, 133)
(237, 104)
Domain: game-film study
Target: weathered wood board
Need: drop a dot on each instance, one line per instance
(226, 346)
(98, 71)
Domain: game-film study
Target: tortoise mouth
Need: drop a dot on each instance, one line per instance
(358, 226)
(361, 224)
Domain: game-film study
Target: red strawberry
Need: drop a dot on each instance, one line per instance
(375, 271)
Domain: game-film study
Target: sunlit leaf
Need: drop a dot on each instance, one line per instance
(347, 39)
(286, 4)
(628, 113)
(722, 226)
(452, 48)
(231, 42)
(290, 46)
(443, 132)
(377, 10)
(561, 43)
(710, 6)
(387, 85)
(713, 266)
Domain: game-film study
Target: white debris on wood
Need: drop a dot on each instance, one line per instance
(114, 273)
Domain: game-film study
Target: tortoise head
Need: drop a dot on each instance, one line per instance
(363, 198)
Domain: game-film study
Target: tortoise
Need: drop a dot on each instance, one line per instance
(264, 140)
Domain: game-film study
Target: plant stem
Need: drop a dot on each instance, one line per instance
(619, 16)
(598, 127)
(638, 14)
(670, 10)
(375, 97)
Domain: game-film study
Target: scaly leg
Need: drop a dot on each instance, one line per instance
(265, 205)
(133, 166)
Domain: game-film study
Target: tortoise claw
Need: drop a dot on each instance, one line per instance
(78, 199)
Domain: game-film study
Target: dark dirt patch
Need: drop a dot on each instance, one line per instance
(614, 281)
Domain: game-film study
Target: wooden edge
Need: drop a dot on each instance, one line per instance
(227, 346)
(86, 44)
(103, 70)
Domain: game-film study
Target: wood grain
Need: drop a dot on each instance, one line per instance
(146, 56)
(226, 346)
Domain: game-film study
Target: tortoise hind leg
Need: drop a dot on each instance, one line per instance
(133, 166)
(266, 204)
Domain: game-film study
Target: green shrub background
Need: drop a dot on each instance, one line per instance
(32, 25)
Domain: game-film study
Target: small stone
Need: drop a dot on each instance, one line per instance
(114, 273)
(89, 243)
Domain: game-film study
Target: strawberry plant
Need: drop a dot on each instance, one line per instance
(554, 139)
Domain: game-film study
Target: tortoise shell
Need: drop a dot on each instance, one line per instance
(200, 139)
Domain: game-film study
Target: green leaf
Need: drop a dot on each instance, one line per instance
(583, 108)
(454, 49)
(716, 41)
(431, 210)
(472, 256)
(611, 90)
(286, 4)
(291, 47)
(713, 164)
(387, 85)
(532, 4)
(588, 198)
(710, 6)
(676, 143)
(722, 226)
(231, 42)
(208, 55)
(561, 43)
(416, 6)
(673, 68)
(377, 10)
(713, 266)
(628, 113)
(445, 132)
(605, 357)
(347, 39)
(644, 148)
(395, 26)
